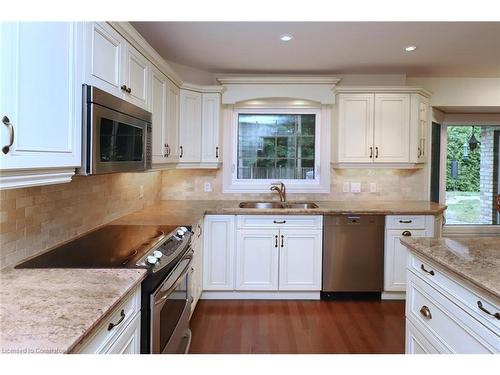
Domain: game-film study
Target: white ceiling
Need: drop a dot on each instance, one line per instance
(448, 49)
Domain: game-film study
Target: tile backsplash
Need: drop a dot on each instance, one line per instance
(391, 184)
(37, 218)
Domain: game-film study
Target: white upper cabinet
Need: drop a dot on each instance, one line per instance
(190, 127)
(210, 127)
(159, 112)
(355, 136)
(136, 78)
(392, 128)
(115, 66)
(172, 131)
(386, 127)
(104, 57)
(40, 99)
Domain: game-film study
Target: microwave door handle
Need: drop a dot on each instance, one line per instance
(165, 294)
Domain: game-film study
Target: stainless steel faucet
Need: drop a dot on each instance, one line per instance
(280, 188)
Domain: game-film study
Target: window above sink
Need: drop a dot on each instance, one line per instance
(286, 144)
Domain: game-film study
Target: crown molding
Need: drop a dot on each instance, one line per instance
(382, 89)
(277, 79)
(203, 89)
(132, 35)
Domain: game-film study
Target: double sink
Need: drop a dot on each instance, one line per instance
(282, 205)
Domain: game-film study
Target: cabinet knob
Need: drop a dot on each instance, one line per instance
(426, 312)
(406, 233)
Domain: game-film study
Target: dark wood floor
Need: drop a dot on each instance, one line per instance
(298, 327)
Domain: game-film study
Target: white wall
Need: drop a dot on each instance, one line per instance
(192, 75)
(467, 92)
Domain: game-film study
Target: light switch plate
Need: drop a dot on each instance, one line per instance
(373, 187)
(208, 187)
(345, 187)
(355, 187)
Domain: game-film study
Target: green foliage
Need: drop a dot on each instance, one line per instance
(468, 169)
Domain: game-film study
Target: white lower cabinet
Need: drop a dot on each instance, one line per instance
(257, 259)
(119, 332)
(395, 254)
(272, 256)
(196, 277)
(218, 254)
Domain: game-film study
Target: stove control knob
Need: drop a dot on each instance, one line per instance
(184, 229)
(151, 260)
(180, 233)
(157, 254)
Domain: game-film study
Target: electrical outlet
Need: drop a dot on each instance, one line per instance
(208, 187)
(345, 187)
(141, 191)
(355, 187)
(373, 187)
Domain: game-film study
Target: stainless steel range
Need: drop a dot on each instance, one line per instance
(164, 251)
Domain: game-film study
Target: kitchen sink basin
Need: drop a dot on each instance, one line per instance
(268, 205)
(262, 205)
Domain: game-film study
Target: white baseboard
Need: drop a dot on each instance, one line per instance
(261, 295)
(393, 295)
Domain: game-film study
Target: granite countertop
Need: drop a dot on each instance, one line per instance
(52, 310)
(189, 212)
(475, 259)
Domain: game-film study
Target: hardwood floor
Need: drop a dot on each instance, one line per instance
(240, 326)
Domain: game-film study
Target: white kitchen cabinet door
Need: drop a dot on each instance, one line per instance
(129, 342)
(257, 259)
(419, 127)
(218, 252)
(41, 75)
(355, 128)
(104, 51)
(395, 258)
(190, 127)
(136, 77)
(172, 130)
(300, 259)
(210, 127)
(159, 112)
(392, 128)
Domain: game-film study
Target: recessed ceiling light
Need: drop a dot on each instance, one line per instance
(286, 37)
(410, 48)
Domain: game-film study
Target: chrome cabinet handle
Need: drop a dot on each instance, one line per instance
(431, 272)
(279, 221)
(371, 152)
(406, 233)
(217, 152)
(276, 241)
(113, 325)
(426, 312)
(10, 127)
(282, 240)
(376, 152)
(182, 152)
(480, 305)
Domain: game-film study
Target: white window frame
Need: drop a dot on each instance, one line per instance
(460, 230)
(321, 182)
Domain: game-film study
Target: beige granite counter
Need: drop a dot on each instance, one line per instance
(52, 310)
(475, 259)
(189, 212)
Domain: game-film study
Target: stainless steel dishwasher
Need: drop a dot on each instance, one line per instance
(353, 256)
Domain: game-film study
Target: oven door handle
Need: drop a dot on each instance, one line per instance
(163, 294)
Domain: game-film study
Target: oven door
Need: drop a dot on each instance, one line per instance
(119, 142)
(170, 310)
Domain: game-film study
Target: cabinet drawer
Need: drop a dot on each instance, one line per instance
(459, 293)
(282, 221)
(129, 341)
(417, 343)
(447, 322)
(102, 337)
(405, 222)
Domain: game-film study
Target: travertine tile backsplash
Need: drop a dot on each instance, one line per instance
(392, 184)
(37, 218)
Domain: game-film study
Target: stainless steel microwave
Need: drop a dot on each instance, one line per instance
(116, 134)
